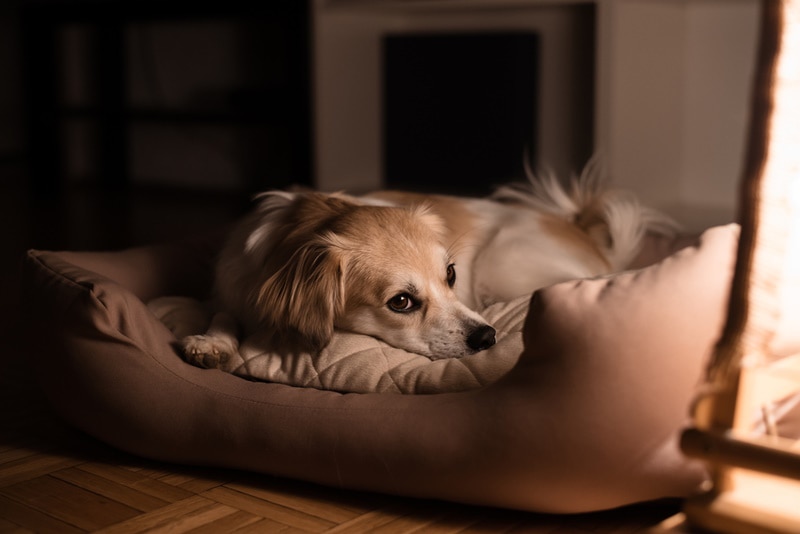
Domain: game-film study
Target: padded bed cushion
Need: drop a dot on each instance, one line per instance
(586, 418)
(358, 363)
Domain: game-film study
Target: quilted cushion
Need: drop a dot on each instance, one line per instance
(358, 363)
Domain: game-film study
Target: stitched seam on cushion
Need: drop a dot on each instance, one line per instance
(377, 346)
(321, 371)
(37, 257)
(388, 369)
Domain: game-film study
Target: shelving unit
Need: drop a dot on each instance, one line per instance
(285, 110)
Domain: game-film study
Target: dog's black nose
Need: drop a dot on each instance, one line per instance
(481, 338)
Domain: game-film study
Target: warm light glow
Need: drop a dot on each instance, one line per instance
(775, 282)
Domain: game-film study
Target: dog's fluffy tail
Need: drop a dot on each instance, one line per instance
(614, 219)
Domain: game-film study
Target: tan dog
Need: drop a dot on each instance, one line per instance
(411, 269)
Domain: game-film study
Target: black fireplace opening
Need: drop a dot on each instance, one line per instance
(460, 109)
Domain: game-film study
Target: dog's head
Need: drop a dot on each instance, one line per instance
(334, 262)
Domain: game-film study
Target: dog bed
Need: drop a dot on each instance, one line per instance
(585, 416)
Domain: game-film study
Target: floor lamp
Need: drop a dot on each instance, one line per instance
(752, 382)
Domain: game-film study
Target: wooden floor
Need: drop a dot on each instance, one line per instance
(55, 479)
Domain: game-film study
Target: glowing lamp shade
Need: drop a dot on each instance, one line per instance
(753, 374)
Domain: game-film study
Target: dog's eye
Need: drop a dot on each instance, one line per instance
(402, 303)
(451, 275)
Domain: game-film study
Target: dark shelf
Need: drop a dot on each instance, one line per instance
(285, 107)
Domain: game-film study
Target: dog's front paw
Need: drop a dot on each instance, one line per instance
(208, 351)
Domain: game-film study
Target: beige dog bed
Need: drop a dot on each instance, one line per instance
(580, 409)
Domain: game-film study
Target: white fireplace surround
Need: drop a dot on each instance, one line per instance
(671, 90)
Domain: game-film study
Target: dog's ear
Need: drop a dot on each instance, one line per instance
(268, 222)
(305, 295)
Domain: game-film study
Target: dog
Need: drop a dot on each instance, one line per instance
(412, 270)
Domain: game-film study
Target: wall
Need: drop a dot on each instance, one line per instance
(671, 90)
(675, 83)
(719, 72)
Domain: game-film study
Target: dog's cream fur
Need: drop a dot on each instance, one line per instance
(412, 269)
